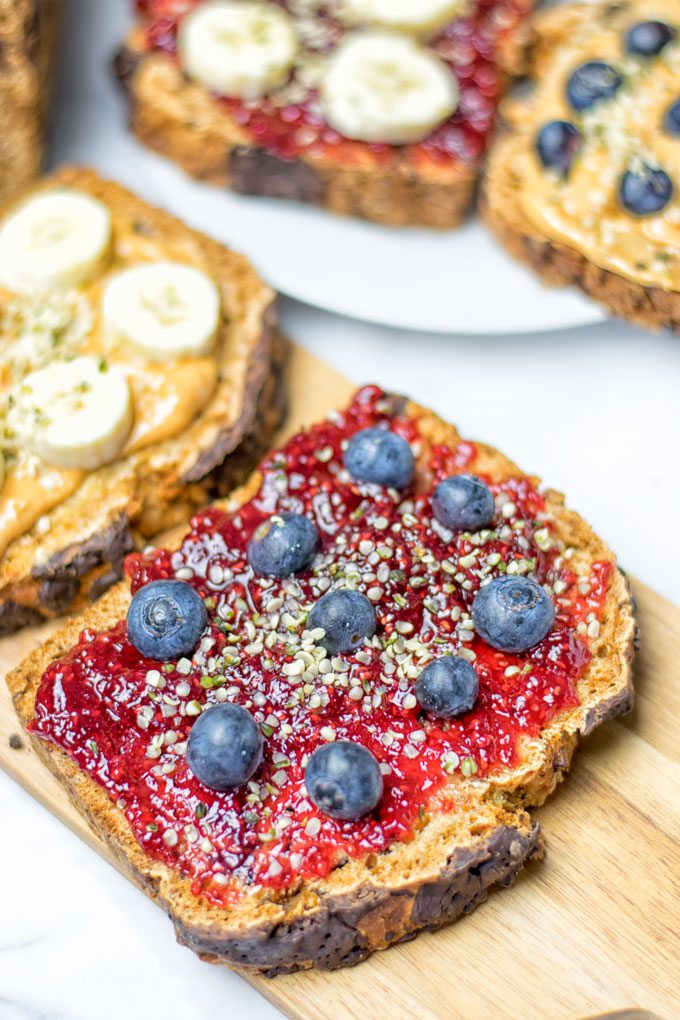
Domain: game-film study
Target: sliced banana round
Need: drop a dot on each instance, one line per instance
(418, 17)
(161, 310)
(239, 48)
(73, 414)
(385, 87)
(57, 239)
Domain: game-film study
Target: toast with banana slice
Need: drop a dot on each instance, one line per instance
(364, 107)
(27, 42)
(312, 725)
(139, 375)
(584, 184)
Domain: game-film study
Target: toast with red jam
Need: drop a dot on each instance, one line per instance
(352, 105)
(313, 724)
(583, 185)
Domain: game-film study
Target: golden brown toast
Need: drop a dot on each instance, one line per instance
(574, 230)
(472, 831)
(75, 551)
(402, 185)
(27, 38)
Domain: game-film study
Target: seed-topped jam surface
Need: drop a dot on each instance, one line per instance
(289, 122)
(126, 719)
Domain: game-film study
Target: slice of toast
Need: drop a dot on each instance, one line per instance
(297, 889)
(27, 41)
(573, 229)
(71, 554)
(426, 184)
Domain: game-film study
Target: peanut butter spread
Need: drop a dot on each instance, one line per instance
(625, 132)
(38, 330)
(32, 489)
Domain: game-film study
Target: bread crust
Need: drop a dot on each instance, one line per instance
(454, 859)
(182, 121)
(46, 574)
(28, 31)
(556, 263)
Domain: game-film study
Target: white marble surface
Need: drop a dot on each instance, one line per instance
(595, 411)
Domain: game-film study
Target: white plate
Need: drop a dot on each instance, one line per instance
(455, 282)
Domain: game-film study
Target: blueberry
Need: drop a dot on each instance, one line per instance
(463, 503)
(591, 83)
(225, 747)
(343, 779)
(672, 119)
(166, 619)
(347, 617)
(557, 143)
(646, 191)
(283, 545)
(447, 687)
(376, 455)
(648, 38)
(512, 614)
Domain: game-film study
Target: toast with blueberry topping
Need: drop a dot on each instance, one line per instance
(358, 106)
(583, 183)
(313, 725)
(138, 378)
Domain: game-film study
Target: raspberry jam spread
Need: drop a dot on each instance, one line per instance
(126, 719)
(289, 122)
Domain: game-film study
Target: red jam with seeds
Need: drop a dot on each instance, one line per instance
(126, 719)
(289, 122)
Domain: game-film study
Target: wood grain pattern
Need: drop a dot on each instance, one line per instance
(593, 929)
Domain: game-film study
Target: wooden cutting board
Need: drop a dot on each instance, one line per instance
(594, 928)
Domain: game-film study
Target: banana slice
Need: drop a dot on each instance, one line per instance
(73, 414)
(237, 47)
(385, 87)
(58, 239)
(162, 310)
(418, 17)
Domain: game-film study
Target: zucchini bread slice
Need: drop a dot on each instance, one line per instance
(180, 409)
(27, 41)
(280, 138)
(279, 872)
(583, 184)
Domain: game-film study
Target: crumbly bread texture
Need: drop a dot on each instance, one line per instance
(455, 857)
(57, 569)
(182, 121)
(27, 41)
(556, 262)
